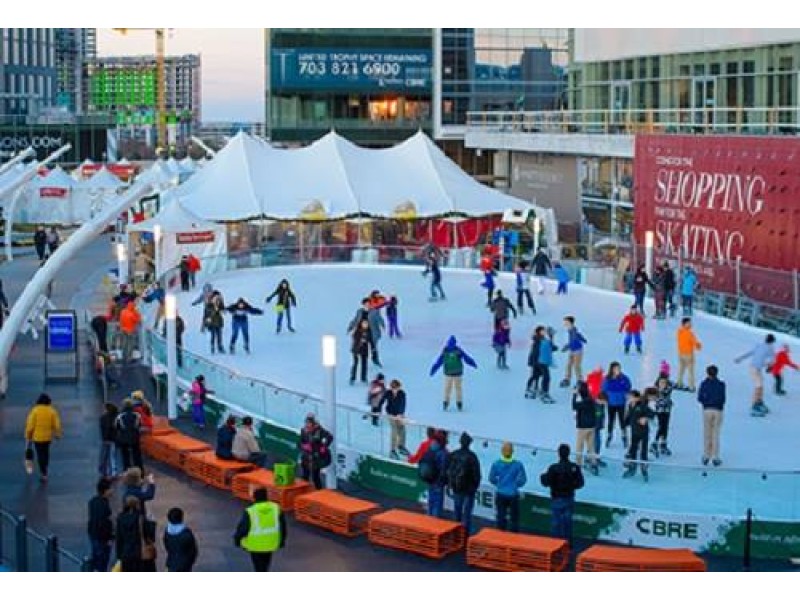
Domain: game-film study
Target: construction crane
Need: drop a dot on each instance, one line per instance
(161, 80)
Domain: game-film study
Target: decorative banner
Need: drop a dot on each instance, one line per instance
(196, 237)
(53, 192)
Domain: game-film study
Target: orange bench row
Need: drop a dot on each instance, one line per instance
(399, 529)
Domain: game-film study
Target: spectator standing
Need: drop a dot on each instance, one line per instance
(315, 450)
(127, 434)
(53, 240)
(464, 479)
(108, 464)
(100, 527)
(430, 435)
(135, 537)
(225, 436)
(688, 345)
(508, 476)
(261, 531)
(563, 478)
(180, 543)
(712, 398)
(42, 426)
(40, 243)
(433, 471)
(585, 423)
(129, 320)
(245, 445)
(199, 395)
(395, 401)
(139, 487)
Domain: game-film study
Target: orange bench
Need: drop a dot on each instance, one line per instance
(161, 426)
(244, 484)
(334, 511)
(413, 532)
(504, 551)
(172, 449)
(615, 559)
(213, 471)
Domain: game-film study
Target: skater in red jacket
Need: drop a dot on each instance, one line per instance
(782, 360)
(633, 326)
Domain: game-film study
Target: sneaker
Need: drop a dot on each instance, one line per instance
(629, 472)
(665, 450)
(716, 462)
(394, 455)
(705, 461)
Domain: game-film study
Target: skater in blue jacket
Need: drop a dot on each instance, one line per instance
(562, 277)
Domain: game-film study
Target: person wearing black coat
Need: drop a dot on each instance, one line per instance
(640, 283)
(133, 532)
(540, 265)
(240, 311)
(108, 435)
(637, 417)
(361, 347)
(99, 326)
(100, 527)
(585, 422)
(563, 478)
(286, 300)
(395, 400)
(670, 284)
(464, 479)
(128, 426)
(225, 435)
(185, 273)
(315, 450)
(40, 243)
(180, 543)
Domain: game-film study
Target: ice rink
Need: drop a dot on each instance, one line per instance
(495, 407)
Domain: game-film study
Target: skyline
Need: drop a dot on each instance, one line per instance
(232, 65)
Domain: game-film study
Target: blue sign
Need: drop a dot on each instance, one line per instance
(350, 69)
(61, 331)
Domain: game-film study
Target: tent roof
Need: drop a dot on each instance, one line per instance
(158, 174)
(174, 218)
(56, 178)
(102, 180)
(335, 178)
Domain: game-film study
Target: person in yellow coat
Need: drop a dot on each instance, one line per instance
(42, 426)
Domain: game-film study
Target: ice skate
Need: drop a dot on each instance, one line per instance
(624, 440)
(546, 398)
(460, 406)
(445, 406)
(630, 471)
(594, 470)
(664, 449)
(609, 437)
(716, 462)
(645, 476)
(529, 393)
(654, 449)
(564, 383)
(291, 329)
(232, 350)
(394, 455)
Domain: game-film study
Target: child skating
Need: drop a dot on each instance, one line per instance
(661, 397)
(782, 360)
(637, 417)
(633, 326)
(501, 342)
(574, 346)
(240, 310)
(523, 277)
(562, 277)
(391, 316)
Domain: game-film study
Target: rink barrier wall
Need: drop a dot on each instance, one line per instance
(363, 449)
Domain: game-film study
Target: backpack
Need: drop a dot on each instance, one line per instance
(127, 426)
(429, 467)
(458, 473)
(452, 362)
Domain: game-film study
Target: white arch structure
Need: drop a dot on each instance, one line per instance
(37, 285)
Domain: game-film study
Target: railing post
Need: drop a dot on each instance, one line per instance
(748, 532)
(51, 554)
(21, 534)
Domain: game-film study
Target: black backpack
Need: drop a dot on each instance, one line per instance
(127, 426)
(458, 473)
(429, 467)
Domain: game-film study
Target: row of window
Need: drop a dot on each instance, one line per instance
(29, 47)
(29, 84)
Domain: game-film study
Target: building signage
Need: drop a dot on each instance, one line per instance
(87, 141)
(61, 331)
(53, 192)
(714, 200)
(349, 69)
(196, 237)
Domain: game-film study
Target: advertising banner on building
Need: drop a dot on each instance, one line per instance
(714, 200)
(552, 181)
(351, 69)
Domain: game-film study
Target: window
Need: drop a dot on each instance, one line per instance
(748, 84)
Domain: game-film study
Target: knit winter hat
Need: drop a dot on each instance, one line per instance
(664, 368)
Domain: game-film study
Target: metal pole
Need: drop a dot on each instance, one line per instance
(738, 275)
(796, 286)
(170, 313)
(329, 364)
(51, 554)
(21, 534)
(9, 215)
(648, 252)
(748, 531)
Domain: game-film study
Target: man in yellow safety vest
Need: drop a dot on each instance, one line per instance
(261, 530)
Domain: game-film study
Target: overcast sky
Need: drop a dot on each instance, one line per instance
(232, 64)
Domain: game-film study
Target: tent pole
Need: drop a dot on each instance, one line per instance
(455, 235)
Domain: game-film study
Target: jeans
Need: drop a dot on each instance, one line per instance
(687, 302)
(131, 455)
(638, 300)
(108, 462)
(523, 295)
(436, 286)
(288, 312)
(463, 507)
(311, 474)
(360, 358)
(101, 553)
(562, 517)
(435, 500)
(42, 456)
(543, 375)
(636, 338)
(240, 325)
(562, 288)
(394, 329)
(198, 414)
(128, 345)
(216, 338)
(506, 505)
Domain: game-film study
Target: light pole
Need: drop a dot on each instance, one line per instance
(648, 252)
(537, 229)
(157, 251)
(171, 314)
(329, 364)
(122, 262)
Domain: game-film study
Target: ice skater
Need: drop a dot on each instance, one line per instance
(489, 284)
(523, 277)
(361, 346)
(633, 326)
(660, 293)
(501, 342)
(391, 316)
(688, 345)
(637, 416)
(688, 289)
(761, 356)
(541, 265)
(241, 310)
(376, 326)
(616, 386)
(540, 359)
(214, 319)
(452, 358)
(782, 360)
(501, 307)
(377, 388)
(563, 279)
(286, 301)
(670, 284)
(661, 395)
(574, 345)
(640, 283)
(432, 267)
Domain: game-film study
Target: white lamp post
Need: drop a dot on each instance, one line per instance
(648, 252)
(537, 229)
(156, 251)
(122, 262)
(329, 364)
(171, 314)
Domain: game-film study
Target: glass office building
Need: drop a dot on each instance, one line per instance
(372, 85)
(28, 75)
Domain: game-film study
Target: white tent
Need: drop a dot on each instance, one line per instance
(93, 194)
(158, 175)
(182, 232)
(50, 199)
(333, 178)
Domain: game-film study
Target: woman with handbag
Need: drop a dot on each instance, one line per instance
(315, 450)
(43, 424)
(136, 548)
